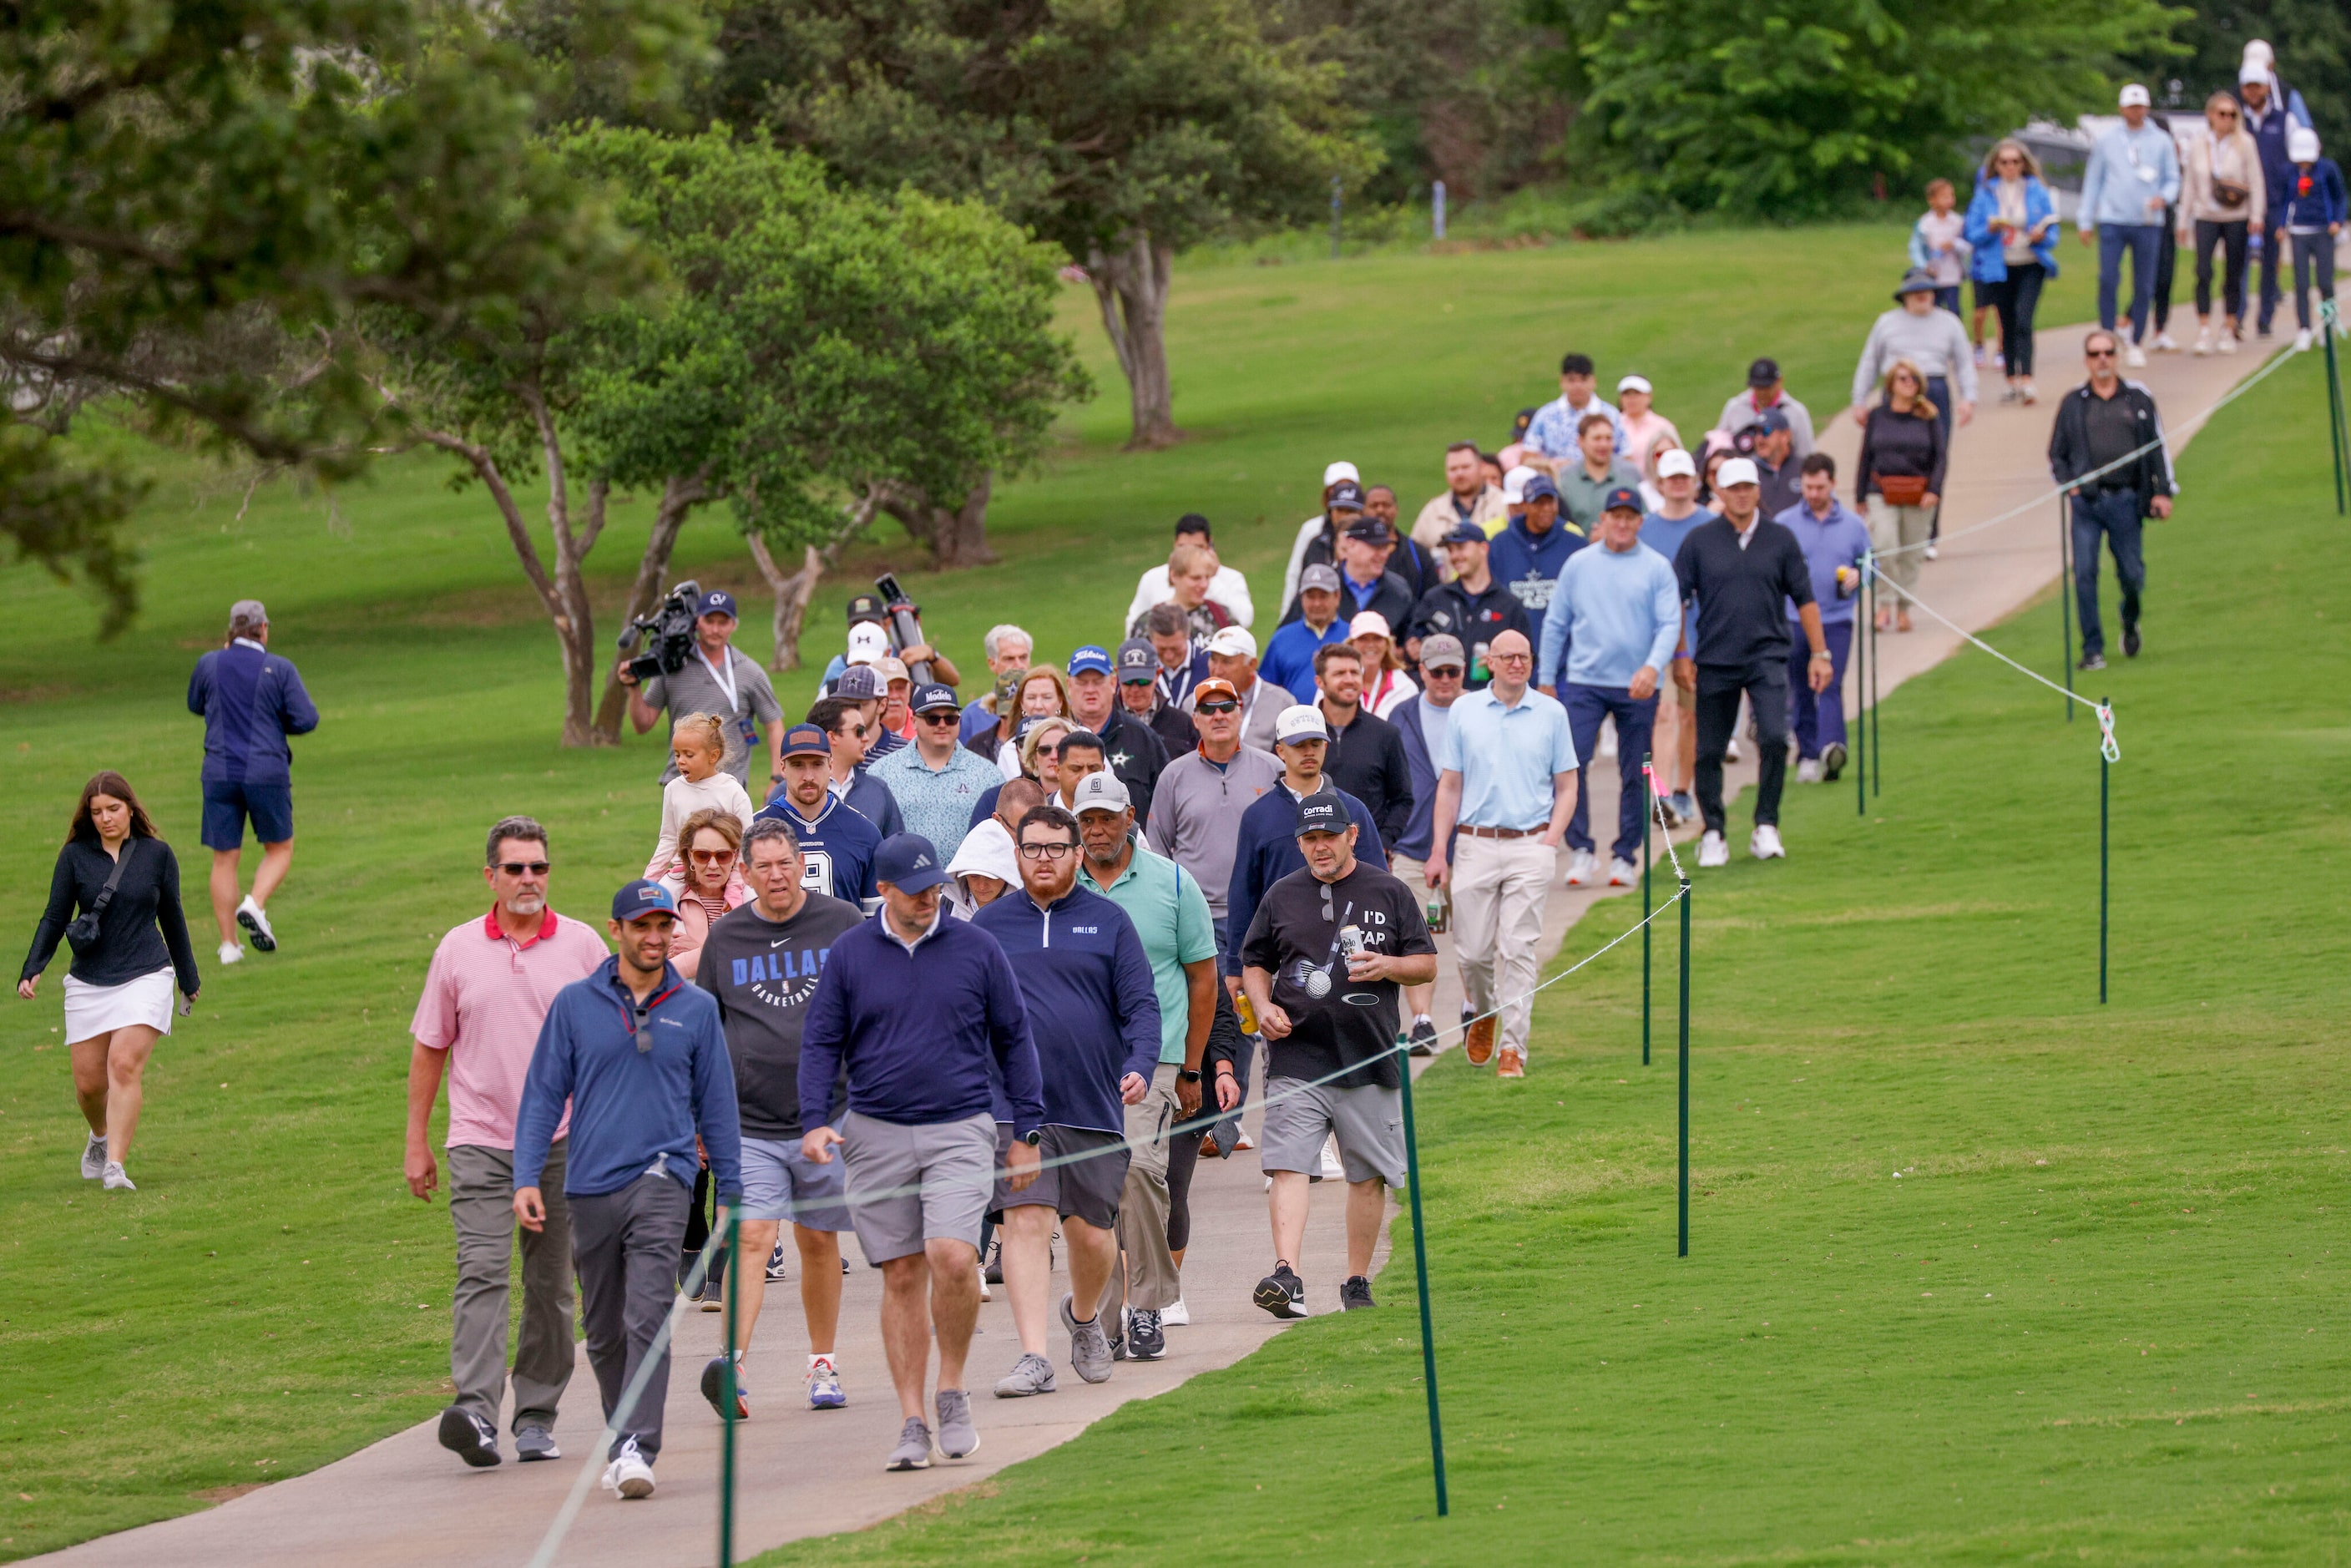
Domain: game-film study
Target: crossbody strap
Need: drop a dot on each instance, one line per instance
(105, 893)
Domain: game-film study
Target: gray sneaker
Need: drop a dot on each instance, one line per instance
(914, 1450)
(1089, 1346)
(93, 1158)
(1029, 1375)
(958, 1438)
(535, 1442)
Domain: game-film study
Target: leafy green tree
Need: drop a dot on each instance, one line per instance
(1120, 132)
(2313, 40)
(1785, 111)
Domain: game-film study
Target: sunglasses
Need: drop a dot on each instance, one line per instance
(515, 868)
(2098, 353)
(940, 715)
(1218, 707)
(711, 857)
(1045, 851)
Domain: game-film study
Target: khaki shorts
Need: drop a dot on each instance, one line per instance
(910, 1184)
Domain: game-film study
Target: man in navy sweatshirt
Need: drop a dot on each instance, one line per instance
(250, 701)
(638, 1053)
(1267, 849)
(1093, 1012)
(919, 1007)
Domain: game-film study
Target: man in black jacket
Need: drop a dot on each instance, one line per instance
(1366, 758)
(1139, 698)
(2106, 448)
(1131, 749)
(1473, 608)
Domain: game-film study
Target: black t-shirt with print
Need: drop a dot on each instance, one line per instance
(764, 973)
(1303, 929)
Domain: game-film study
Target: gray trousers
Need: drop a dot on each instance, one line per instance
(625, 1245)
(1151, 1281)
(481, 1208)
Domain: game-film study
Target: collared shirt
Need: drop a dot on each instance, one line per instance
(696, 688)
(1171, 915)
(486, 996)
(1507, 756)
(1841, 538)
(891, 930)
(937, 802)
(1581, 496)
(1553, 430)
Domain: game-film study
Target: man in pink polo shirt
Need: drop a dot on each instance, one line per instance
(486, 994)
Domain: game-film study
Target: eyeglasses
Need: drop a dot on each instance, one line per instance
(1045, 851)
(1218, 707)
(1508, 658)
(940, 715)
(515, 868)
(1440, 671)
(711, 857)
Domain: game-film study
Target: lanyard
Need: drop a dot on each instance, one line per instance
(725, 682)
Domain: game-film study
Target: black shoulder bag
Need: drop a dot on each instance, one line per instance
(83, 931)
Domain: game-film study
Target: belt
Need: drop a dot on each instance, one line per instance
(1502, 833)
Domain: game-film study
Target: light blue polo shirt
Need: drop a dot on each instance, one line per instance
(1514, 752)
(1171, 914)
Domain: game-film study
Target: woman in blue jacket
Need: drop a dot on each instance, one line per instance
(2013, 229)
(2316, 211)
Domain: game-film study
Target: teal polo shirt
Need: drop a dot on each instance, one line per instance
(1171, 914)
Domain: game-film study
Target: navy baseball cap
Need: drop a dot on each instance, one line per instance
(806, 740)
(1137, 662)
(1347, 494)
(1763, 372)
(1625, 498)
(1091, 657)
(908, 862)
(864, 607)
(1539, 486)
(1370, 530)
(1771, 420)
(642, 897)
(1465, 534)
(1321, 812)
(934, 695)
(718, 602)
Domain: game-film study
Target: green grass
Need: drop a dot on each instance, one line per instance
(272, 1297)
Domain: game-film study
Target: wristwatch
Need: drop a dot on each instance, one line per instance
(1188, 1074)
(1825, 654)
(1033, 1137)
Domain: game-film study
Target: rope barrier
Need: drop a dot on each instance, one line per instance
(2105, 712)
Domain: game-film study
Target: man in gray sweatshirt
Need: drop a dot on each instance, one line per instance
(1934, 340)
(1196, 811)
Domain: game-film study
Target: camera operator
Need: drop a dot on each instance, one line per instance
(716, 679)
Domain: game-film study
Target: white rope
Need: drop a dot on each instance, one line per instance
(2105, 712)
(1665, 827)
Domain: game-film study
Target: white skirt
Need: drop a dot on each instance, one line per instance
(92, 1010)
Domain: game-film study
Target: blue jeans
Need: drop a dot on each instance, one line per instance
(2116, 514)
(1587, 706)
(1818, 718)
(2144, 243)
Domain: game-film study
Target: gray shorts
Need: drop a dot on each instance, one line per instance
(1085, 1188)
(950, 1167)
(1368, 1122)
(781, 1183)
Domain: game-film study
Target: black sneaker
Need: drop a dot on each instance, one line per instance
(993, 1270)
(1281, 1292)
(1355, 1295)
(1833, 760)
(2130, 641)
(2092, 661)
(469, 1438)
(1424, 1036)
(776, 1263)
(1145, 1339)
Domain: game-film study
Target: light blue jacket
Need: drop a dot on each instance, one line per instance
(1988, 262)
(2127, 168)
(1610, 614)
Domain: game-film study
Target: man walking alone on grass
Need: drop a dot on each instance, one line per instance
(250, 701)
(2106, 449)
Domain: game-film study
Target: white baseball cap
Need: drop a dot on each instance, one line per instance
(1676, 461)
(2252, 71)
(2302, 144)
(1303, 722)
(1338, 471)
(1100, 792)
(1369, 623)
(1514, 484)
(1735, 471)
(1233, 642)
(1634, 383)
(867, 643)
(2133, 93)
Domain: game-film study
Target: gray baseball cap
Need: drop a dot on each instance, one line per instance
(1319, 576)
(245, 614)
(1443, 653)
(858, 683)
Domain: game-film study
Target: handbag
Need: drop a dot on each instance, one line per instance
(83, 931)
(1901, 489)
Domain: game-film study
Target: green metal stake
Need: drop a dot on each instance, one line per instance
(1860, 686)
(2334, 406)
(2106, 772)
(726, 1400)
(2065, 602)
(1649, 817)
(1876, 743)
(1682, 1249)
(1420, 1269)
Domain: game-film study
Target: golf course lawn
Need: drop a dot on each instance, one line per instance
(272, 1297)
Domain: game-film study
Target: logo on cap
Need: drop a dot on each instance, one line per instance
(1622, 499)
(806, 740)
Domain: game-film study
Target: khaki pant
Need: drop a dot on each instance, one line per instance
(481, 1208)
(1499, 887)
(1150, 1281)
(1891, 528)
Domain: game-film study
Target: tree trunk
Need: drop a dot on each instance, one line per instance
(794, 592)
(1131, 287)
(679, 497)
(956, 535)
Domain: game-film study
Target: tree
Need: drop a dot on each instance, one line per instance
(196, 202)
(2313, 40)
(1121, 132)
(1784, 110)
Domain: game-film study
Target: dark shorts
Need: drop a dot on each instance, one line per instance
(1084, 1188)
(227, 806)
(1982, 290)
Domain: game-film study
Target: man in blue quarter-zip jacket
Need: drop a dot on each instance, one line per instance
(1093, 1012)
(250, 701)
(638, 1053)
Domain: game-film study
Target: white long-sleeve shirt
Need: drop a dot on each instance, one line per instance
(681, 799)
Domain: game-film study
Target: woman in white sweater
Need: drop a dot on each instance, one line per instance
(697, 744)
(2222, 199)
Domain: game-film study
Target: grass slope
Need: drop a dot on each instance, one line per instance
(1980, 1272)
(272, 1297)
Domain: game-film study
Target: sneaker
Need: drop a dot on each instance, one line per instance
(534, 1443)
(1999, 360)
(1732, 753)
(2164, 345)
(2027, 393)
(2134, 356)
(230, 953)
(2130, 641)
(116, 1179)
(776, 1263)
(1712, 851)
(1833, 760)
(2203, 343)
(1355, 1295)
(1764, 844)
(1477, 1044)
(1513, 1062)
(1029, 1375)
(914, 1450)
(1332, 1169)
(2302, 341)
(1241, 1141)
(1582, 868)
(1281, 1292)
(1144, 1340)
(93, 1157)
(2092, 661)
(1685, 805)
(629, 1474)
(1178, 1316)
(824, 1386)
(469, 1438)
(1808, 770)
(714, 1292)
(249, 916)
(958, 1438)
(1423, 1037)
(1929, 553)
(1089, 1346)
(713, 1388)
(1979, 356)
(2228, 343)
(1623, 872)
(984, 1293)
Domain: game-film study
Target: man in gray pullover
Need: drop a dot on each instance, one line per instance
(1934, 340)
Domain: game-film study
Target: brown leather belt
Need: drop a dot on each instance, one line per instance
(1502, 833)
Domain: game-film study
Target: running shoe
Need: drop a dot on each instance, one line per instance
(776, 1263)
(249, 915)
(1623, 872)
(1145, 1339)
(1685, 805)
(2135, 357)
(958, 1438)
(1089, 1346)
(713, 1388)
(824, 1386)
(1582, 868)
(1712, 851)
(2130, 641)
(469, 1438)
(93, 1157)
(2302, 341)
(914, 1450)
(1731, 752)
(714, 1292)
(230, 953)
(2164, 344)
(1808, 770)
(1333, 1170)
(2228, 343)
(1029, 1375)
(629, 1475)
(534, 1442)
(1833, 760)
(2092, 661)
(116, 1179)
(1281, 1292)
(1423, 1038)
(1355, 1295)
(1178, 1316)
(1764, 844)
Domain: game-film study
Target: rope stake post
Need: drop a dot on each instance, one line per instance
(2109, 753)
(2333, 402)
(1876, 748)
(734, 1255)
(1648, 819)
(1681, 1248)
(1420, 1271)
(1863, 648)
(2065, 599)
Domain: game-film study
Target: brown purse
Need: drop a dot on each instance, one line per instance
(1900, 489)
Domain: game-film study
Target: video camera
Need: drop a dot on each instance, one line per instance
(667, 634)
(902, 620)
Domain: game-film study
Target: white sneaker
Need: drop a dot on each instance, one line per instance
(1607, 747)
(93, 1158)
(2203, 343)
(1582, 868)
(1808, 772)
(1332, 1169)
(250, 916)
(1731, 752)
(628, 1474)
(2228, 343)
(983, 1284)
(2164, 345)
(230, 953)
(1178, 1316)
(1764, 844)
(2135, 357)
(2302, 341)
(1713, 851)
(117, 1179)
(1623, 872)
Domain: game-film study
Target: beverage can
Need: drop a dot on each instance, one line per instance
(1246, 1013)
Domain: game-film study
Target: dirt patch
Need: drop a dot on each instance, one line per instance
(217, 1495)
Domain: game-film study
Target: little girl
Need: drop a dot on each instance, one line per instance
(697, 744)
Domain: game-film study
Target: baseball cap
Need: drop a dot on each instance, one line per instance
(2302, 144)
(890, 669)
(1300, 721)
(1100, 792)
(1443, 653)
(858, 683)
(1676, 461)
(1137, 662)
(1089, 657)
(1348, 493)
(1540, 486)
(1369, 623)
(934, 697)
(2133, 93)
(1634, 383)
(718, 602)
(1370, 530)
(806, 740)
(1735, 471)
(1465, 534)
(1321, 812)
(1233, 642)
(642, 897)
(867, 643)
(1338, 471)
(907, 863)
(1514, 484)
(1319, 576)
(1007, 682)
(248, 613)
(864, 607)
(1214, 687)
(1763, 372)
(2253, 71)
(1623, 498)
(1770, 421)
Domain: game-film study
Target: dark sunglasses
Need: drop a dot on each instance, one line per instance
(515, 868)
(1218, 707)
(2098, 353)
(940, 715)
(1045, 851)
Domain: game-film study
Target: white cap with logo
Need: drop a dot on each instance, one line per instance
(1735, 471)
(1302, 722)
(1233, 642)
(2134, 95)
(1100, 792)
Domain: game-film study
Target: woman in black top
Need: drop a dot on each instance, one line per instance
(1899, 480)
(119, 986)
